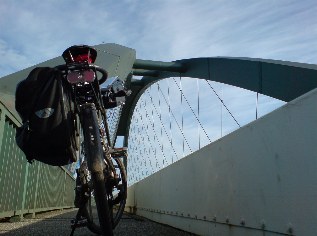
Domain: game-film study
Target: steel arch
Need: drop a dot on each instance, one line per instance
(278, 79)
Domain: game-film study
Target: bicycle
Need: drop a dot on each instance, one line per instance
(101, 178)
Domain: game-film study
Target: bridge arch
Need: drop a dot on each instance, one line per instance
(278, 79)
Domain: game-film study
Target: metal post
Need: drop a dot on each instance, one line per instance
(64, 189)
(36, 189)
(24, 189)
(2, 122)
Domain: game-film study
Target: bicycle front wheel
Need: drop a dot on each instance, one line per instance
(96, 165)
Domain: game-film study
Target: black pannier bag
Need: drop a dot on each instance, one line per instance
(44, 103)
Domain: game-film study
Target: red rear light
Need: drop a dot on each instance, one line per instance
(82, 58)
(79, 54)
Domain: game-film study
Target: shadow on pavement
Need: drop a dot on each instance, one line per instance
(47, 223)
(59, 223)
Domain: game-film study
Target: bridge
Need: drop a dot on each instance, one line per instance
(199, 159)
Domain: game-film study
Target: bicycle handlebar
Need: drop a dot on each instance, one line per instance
(85, 66)
(104, 74)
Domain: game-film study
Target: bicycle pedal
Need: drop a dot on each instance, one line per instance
(80, 223)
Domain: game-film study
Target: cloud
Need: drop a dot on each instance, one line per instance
(45, 30)
(11, 59)
(35, 31)
(162, 30)
(230, 28)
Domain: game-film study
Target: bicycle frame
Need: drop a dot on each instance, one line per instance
(89, 107)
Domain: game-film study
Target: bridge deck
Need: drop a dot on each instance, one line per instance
(58, 223)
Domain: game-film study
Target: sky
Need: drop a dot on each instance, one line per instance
(34, 31)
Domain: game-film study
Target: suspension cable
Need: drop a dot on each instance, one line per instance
(155, 135)
(209, 76)
(223, 103)
(192, 110)
(148, 136)
(160, 118)
(177, 123)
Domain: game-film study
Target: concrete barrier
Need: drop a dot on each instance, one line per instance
(258, 180)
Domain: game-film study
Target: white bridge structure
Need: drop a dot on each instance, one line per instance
(216, 146)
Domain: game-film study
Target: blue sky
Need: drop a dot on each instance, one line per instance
(33, 31)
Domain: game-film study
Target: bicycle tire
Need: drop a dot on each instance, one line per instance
(94, 153)
(122, 203)
(91, 225)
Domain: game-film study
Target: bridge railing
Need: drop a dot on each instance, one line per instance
(28, 188)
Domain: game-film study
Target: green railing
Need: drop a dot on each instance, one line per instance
(28, 188)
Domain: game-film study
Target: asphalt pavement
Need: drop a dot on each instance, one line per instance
(59, 223)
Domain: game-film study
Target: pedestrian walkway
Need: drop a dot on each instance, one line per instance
(58, 223)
